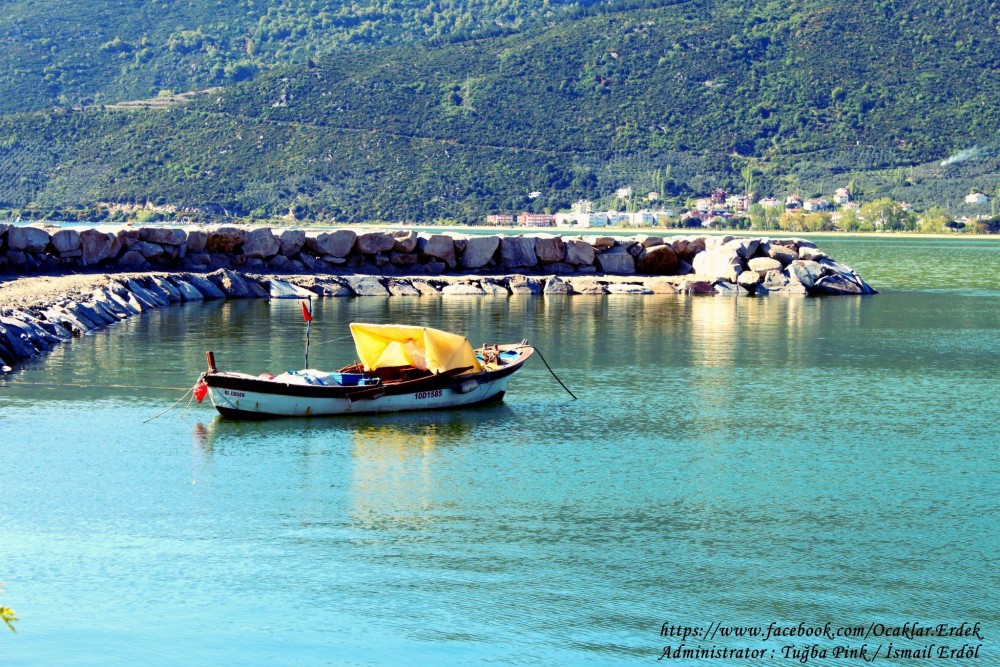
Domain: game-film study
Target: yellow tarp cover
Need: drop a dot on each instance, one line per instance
(384, 345)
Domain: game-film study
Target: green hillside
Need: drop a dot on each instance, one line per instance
(74, 52)
(676, 98)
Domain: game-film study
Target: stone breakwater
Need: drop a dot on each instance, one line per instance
(757, 266)
(38, 313)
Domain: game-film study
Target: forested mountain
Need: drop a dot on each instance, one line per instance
(679, 97)
(74, 52)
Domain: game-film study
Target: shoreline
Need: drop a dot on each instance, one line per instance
(479, 230)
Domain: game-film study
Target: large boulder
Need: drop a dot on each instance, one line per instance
(517, 251)
(282, 289)
(375, 242)
(782, 253)
(716, 242)
(814, 254)
(403, 258)
(686, 249)
(617, 260)
(207, 288)
(147, 250)
(748, 279)
(405, 241)
(556, 285)
(806, 272)
(163, 235)
(188, 291)
(128, 237)
(838, 283)
(579, 253)
(658, 260)
(426, 288)
(366, 286)
(777, 282)
(237, 286)
(664, 286)
(494, 288)
(291, 242)
(627, 288)
(439, 246)
(550, 250)
(718, 263)
(261, 243)
(66, 240)
(132, 259)
(587, 286)
(479, 250)
(462, 289)
(399, 287)
(227, 240)
(197, 239)
(648, 241)
(764, 264)
(745, 248)
(28, 239)
(168, 288)
(97, 246)
(334, 244)
(525, 285)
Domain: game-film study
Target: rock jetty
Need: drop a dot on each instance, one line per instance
(756, 266)
(132, 270)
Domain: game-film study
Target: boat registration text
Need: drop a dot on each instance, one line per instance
(420, 395)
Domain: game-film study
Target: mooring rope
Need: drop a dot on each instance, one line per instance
(333, 340)
(554, 374)
(95, 386)
(189, 391)
(184, 411)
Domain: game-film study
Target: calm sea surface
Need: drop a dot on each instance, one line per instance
(736, 462)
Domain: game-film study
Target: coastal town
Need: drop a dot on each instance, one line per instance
(723, 210)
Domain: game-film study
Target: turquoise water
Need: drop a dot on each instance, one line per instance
(729, 461)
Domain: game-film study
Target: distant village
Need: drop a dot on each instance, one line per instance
(720, 210)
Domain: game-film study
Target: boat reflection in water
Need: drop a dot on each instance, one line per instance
(401, 436)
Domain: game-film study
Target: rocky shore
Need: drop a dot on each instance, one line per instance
(134, 270)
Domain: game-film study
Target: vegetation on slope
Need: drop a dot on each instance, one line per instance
(75, 52)
(677, 97)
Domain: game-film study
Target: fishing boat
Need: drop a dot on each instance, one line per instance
(400, 368)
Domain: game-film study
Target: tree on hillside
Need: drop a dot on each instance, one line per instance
(748, 179)
(934, 221)
(887, 214)
(764, 218)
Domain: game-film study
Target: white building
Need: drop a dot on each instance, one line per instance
(567, 219)
(644, 218)
(976, 199)
(592, 220)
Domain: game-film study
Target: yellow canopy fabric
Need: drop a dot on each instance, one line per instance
(384, 345)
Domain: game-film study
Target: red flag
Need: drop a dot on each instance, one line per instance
(200, 390)
(306, 315)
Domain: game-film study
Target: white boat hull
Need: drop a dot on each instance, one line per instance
(246, 404)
